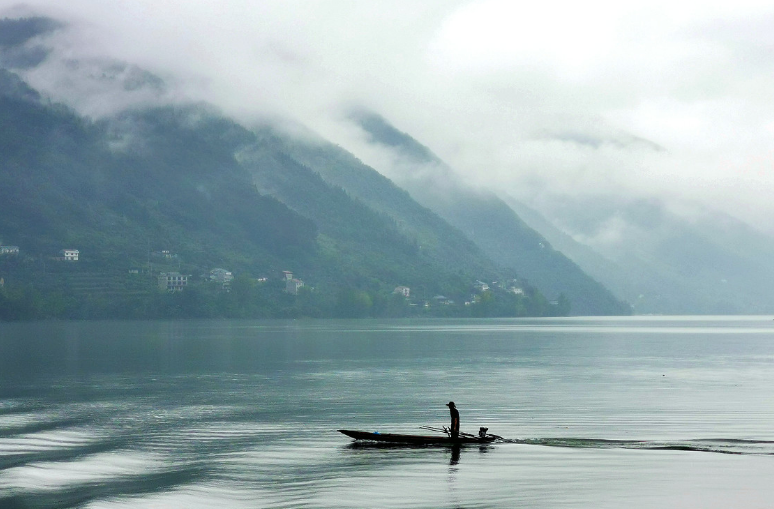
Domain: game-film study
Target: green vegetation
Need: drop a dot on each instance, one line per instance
(69, 293)
(208, 193)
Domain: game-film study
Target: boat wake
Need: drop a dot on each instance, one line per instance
(714, 445)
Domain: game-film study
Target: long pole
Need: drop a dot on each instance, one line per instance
(439, 430)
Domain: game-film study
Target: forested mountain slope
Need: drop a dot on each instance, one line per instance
(154, 182)
(188, 182)
(322, 161)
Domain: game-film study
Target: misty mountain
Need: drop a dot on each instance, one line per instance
(660, 261)
(645, 254)
(187, 181)
(489, 222)
(345, 220)
(323, 161)
(17, 32)
(18, 46)
(137, 182)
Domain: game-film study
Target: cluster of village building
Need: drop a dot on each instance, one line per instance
(170, 281)
(480, 287)
(176, 281)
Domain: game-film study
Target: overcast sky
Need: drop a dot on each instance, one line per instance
(672, 99)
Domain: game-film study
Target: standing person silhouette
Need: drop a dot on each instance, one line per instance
(454, 430)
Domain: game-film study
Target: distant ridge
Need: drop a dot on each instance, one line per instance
(491, 223)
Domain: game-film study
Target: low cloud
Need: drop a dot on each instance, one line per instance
(652, 100)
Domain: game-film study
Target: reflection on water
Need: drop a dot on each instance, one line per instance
(595, 413)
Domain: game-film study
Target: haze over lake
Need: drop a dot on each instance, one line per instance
(604, 412)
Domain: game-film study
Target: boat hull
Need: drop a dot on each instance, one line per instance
(394, 438)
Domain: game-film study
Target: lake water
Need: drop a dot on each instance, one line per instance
(597, 413)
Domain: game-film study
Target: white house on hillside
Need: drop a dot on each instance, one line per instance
(70, 255)
(402, 290)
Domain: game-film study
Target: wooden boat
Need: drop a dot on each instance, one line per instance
(394, 438)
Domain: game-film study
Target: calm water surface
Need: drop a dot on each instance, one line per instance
(625, 412)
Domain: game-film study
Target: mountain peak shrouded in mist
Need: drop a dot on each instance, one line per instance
(16, 32)
(95, 84)
(18, 47)
(646, 100)
(383, 133)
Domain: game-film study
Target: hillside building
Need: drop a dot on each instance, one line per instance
(292, 286)
(70, 255)
(172, 281)
(402, 290)
(481, 286)
(221, 276)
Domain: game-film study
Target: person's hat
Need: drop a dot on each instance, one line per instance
(450, 404)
